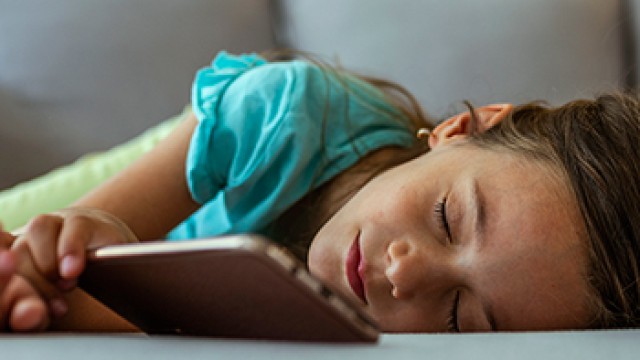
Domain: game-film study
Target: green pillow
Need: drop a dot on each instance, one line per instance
(61, 187)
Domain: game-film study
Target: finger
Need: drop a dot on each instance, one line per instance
(27, 269)
(87, 231)
(41, 236)
(7, 268)
(23, 308)
(75, 236)
(7, 271)
(29, 314)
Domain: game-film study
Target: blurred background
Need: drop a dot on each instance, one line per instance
(79, 76)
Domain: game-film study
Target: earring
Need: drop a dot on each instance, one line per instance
(423, 133)
(395, 292)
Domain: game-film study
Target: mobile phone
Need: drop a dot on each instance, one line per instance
(240, 286)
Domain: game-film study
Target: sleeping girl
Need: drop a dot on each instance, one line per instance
(500, 218)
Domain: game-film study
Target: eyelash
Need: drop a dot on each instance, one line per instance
(453, 314)
(441, 214)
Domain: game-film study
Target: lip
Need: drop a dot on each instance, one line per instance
(355, 269)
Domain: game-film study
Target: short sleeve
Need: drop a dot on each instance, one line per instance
(213, 146)
(269, 133)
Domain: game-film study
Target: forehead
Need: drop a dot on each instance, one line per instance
(533, 265)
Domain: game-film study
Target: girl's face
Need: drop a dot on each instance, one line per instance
(460, 239)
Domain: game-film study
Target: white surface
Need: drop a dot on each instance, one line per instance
(542, 345)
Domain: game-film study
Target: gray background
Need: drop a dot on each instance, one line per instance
(78, 76)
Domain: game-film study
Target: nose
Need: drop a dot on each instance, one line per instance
(416, 269)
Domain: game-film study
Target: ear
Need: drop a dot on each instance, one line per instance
(460, 126)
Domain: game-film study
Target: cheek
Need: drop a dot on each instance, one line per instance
(321, 252)
(329, 245)
(316, 261)
(426, 315)
(401, 207)
(403, 322)
(385, 206)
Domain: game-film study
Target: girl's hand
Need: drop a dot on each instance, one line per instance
(21, 307)
(51, 250)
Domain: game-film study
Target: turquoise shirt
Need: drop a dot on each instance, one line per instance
(269, 133)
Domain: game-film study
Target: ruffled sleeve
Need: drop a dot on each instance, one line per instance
(269, 133)
(212, 151)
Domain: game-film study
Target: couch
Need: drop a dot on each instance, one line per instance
(83, 76)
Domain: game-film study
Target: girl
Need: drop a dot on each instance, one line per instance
(516, 219)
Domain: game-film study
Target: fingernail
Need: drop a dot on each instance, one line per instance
(67, 266)
(58, 307)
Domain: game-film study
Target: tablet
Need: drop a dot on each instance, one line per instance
(242, 286)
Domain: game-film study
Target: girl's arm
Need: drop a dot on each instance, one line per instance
(143, 202)
(151, 195)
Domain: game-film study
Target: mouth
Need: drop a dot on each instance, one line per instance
(355, 269)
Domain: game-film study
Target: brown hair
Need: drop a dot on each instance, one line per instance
(596, 143)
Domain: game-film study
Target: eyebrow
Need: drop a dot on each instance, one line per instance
(479, 226)
(480, 215)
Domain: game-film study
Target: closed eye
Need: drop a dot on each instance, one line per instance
(453, 314)
(441, 214)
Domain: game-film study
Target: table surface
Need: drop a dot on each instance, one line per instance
(620, 344)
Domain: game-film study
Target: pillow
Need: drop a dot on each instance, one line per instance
(61, 187)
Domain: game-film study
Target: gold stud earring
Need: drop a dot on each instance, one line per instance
(423, 133)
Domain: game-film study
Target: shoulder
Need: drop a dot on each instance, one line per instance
(295, 79)
(250, 81)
